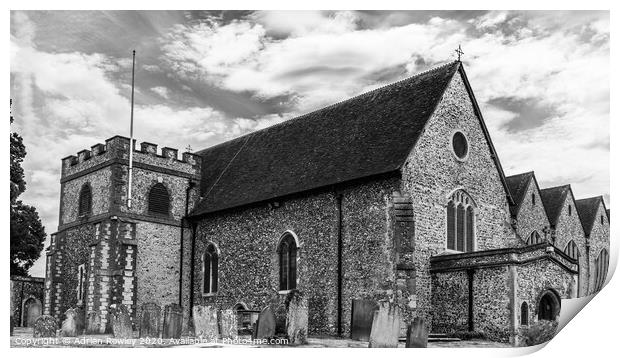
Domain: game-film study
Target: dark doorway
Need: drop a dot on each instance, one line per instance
(549, 307)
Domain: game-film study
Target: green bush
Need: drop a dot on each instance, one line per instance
(538, 332)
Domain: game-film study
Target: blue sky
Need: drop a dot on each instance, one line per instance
(541, 78)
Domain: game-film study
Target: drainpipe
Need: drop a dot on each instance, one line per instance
(190, 185)
(339, 203)
(191, 271)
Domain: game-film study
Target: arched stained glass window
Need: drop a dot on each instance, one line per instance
(210, 269)
(287, 255)
(535, 238)
(460, 221)
(525, 312)
(601, 267)
(572, 250)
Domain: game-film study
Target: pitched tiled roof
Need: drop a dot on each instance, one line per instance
(517, 184)
(553, 199)
(587, 209)
(367, 135)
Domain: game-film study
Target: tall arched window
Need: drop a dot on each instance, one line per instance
(159, 200)
(287, 256)
(534, 238)
(85, 204)
(602, 265)
(209, 269)
(524, 314)
(460, 235)
(572, 250)
(533, 199)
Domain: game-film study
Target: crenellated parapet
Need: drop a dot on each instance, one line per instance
(116, 149)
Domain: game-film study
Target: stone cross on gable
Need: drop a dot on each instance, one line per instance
(188, 148)
(459, 52)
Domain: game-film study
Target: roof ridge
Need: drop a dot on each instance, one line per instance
(299, 117)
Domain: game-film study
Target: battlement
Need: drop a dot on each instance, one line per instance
(117, 148)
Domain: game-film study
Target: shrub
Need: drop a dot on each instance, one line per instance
(538, 332)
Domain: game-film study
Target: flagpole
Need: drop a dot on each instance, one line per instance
(133, 69)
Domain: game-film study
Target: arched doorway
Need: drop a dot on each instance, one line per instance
(31, 310)
(549, 306)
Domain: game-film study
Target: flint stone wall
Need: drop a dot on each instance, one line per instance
(530, 217)
(248, 267)
(433, 172)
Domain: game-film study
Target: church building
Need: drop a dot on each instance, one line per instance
(397, 194)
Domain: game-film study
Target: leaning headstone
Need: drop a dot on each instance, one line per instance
(93, 323)
(417, 334)
(149, 320)
(297, 318)
(79, 320)
(385, 326)
(255, 328)
(205, 322)
(229, 324)
(266, 324)
(45, 326)
(120, 320)
(173, 321)
(69, 327)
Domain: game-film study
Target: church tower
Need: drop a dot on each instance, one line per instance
(105, 252)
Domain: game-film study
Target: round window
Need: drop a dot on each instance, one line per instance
(459, 145)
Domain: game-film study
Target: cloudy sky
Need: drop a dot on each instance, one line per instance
(541, 78)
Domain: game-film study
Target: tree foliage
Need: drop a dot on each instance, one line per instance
(27, 232)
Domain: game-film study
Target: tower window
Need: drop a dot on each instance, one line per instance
(85, 201)
(159, 200)
(602, 220)
(533, 199)
(81, 278)
(570, 210)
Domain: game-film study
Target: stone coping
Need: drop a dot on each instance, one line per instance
(502, 257)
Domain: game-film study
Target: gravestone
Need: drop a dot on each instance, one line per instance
(266, 324)
(69, 327)
(120, 321)
(297, 318)
(45, 326)
(79, 321)
(149, 320)
(205, 322)
(362, 314)
(93, 323)
(385, 326)
(417, 334)
(173, 321)
(229, 324)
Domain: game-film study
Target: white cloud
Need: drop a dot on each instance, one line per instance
(161, 91)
